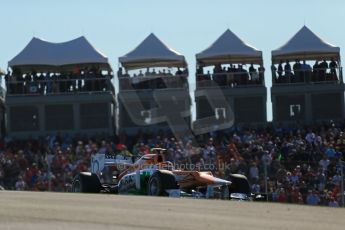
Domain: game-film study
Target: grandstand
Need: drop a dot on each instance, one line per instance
(59, 87)
(307, 95)
(154, 89)
(225, 90)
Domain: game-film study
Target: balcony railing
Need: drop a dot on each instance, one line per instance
(59, 86)
(153, 82)
(311, 76)
(231, 79)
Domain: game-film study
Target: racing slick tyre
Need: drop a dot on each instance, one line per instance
(239, 184)
(159, 182)
(86, 182)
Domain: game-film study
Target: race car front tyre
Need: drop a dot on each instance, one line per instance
(159, 182)
(86, 182)
(239, 184)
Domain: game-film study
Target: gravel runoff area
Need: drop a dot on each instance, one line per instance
(48, 211)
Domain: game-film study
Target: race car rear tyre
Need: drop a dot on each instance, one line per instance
(86, 182)
(159, 182)
(239, 184)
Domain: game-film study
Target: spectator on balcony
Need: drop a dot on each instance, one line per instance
(237, 75)
(47, 83)
(252, 72)
(40, 83)
(88, 81)
(74, 81)
(55, 84)
(316, 71)
(230, 76)
(287, 70)
(19, 81)
(10, 83)
(244, 75)
(164, 72)
(79, 80)
(208, 75)
(27, 80)
(297, 70)
(280, 69)
(153, 73)
(333, 66)
(140, 73)
(126, 74)
(323, 68)
(119, 72)
(251, 69)
(178, 72)
(147, 73)
(261, 70)
(222, 77)
(217, 69)
(306, 72)
(63, 82)
(217, 72)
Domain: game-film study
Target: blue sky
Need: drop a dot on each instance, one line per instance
(189, 26)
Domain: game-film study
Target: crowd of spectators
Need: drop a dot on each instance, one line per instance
(231, 75)
(301, 164)
(152, 79)
(44, 83)
(303, 72)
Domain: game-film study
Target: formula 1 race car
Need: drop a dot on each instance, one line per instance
(152, 175)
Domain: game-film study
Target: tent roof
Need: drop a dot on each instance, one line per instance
(152, 52)
(229, 48)
(43, 54)
(305, 45)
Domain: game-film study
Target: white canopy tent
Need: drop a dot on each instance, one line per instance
(152, 52)
(42, 55)
(305, 45)
(229, 48)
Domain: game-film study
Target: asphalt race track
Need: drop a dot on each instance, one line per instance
(47, 211)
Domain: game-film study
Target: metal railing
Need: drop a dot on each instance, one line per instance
(231, 79)
(59, 86)
(308, 76)
(153, 82)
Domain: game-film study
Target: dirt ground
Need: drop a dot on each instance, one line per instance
(37, 210)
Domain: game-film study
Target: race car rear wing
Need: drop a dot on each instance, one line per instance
(99, 161)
